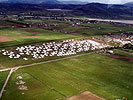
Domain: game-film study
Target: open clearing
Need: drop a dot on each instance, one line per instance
(5, 39)
(85, 96)
(66, 78)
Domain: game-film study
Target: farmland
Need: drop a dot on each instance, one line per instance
(54, 31)
(3, 76)
(22, 36)
(69, 77)
(53, 77)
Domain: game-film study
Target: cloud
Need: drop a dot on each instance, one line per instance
(114, 1)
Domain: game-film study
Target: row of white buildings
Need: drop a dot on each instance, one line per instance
(64, 48)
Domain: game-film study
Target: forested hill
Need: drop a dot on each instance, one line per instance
(91, 9)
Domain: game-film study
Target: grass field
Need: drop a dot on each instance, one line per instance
(6, 62)
(90, 29)
(127, 50)
(22, 37)
(120, 52)
(18, 34)
(106, 77)
(3, 76)
(26, 36)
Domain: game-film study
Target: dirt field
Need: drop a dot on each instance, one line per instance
(5, 39)
(85, 96)
(121, 57)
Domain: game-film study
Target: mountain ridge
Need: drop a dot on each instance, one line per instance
(45, 2)
(91, 10)
(130, 4)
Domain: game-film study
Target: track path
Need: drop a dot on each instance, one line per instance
(8, 77)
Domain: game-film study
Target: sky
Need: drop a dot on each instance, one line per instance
(100, 1)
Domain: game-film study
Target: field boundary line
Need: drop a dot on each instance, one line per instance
(7, 79)
(48, 85)
(59, 59)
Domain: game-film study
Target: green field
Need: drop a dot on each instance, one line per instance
(19, 36)
(90, 28)
(6, 62)
(127, 50)
(124, 53)
(106, 77)
(3, 76)
(22, 36)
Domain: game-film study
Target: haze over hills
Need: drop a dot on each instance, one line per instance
(73, 2)
(98, 9)
(45, 2)
(51, 2)
(129, 4)
(91, 9)
(33, 1)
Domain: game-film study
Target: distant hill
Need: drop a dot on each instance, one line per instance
(24, 1)
(98, 9)
(33, 1)
(74, 2)
(91, 10)
(130, 4)
(51, 2)
(45, 2)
